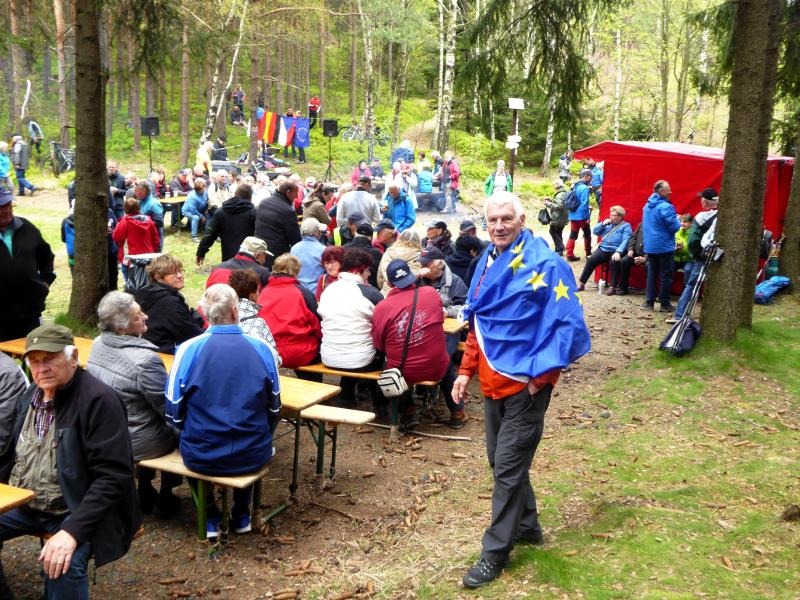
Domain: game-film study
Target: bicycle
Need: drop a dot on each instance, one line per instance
(354, 133)
(59, 159)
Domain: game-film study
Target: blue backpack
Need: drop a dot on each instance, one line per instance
(766, 290)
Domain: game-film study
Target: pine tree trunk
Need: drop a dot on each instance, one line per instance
(90, 277)
(402, 80)
(323, 40)
(106, 57)
(789, 262)
(162, 96)
(269, 96)
(728, 302)
(185, 81)
(280, 107)
(252, 150)
(133, 105)
(446, 98)
(46, 68)
(492, 134)
(61, 56)
(122, 80)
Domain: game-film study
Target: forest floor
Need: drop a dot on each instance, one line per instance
(657, 478)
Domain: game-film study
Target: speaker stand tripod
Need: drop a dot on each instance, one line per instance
(331, 170)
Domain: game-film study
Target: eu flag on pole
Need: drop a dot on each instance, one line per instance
(301, 139)
(528, 318)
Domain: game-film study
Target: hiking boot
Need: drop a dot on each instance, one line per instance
(168, 504)
(611, 291)
(648, 305)
(457, 420)
(241, 523)
(581, 287)
(196, 240)
(530, 539)
(572, 258)
(668, 308)
(147, 497)
(212, 527)
(411, 421)
(482, 572)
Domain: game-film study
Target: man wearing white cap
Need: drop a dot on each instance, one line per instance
(252, 255)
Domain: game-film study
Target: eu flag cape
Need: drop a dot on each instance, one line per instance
(527, 316)
(301, 133)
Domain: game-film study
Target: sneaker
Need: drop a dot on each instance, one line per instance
(572, 258)
(484, 571)
(33, 190)
(212, 527)
(411, 421)
(196, 240)
(581, 287)
(534, 539)
(668, 308)
(671, 320)
(648, 305)
(241, 523)
(611, 291)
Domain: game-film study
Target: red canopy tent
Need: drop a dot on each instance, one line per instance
(631, 169)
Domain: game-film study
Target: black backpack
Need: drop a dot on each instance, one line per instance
(571, 203)
(694, 242)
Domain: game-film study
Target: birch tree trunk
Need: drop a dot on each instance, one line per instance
(663, 68)
(216, 99)
(61, 57)
(184, 110)
(353, 88)
(252, 148)
(369, 80)
(402, 80)
(269, 96)
(682, 76)
(15, 70)
(446, 98)
(617, 81)
(728, 302)
(440, 13)
(492, 133)
(90, 276)
(162, 102)
(133, 104)
(548, 144)
(323, 42)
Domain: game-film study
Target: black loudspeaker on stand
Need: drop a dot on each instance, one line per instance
(150, 128)
(330, 127)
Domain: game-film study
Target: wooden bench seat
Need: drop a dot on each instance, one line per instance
(173, 463)
(327, 420)
(373, 375)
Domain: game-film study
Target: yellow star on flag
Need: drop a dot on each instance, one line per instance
(561, 291)
(516, 262)
(518, 248)
(537, 281)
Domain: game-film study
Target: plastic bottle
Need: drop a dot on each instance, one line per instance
(601, 286)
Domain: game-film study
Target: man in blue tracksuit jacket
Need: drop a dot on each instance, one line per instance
(659, 224)
(223, 393)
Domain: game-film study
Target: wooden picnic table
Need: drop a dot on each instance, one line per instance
(451, 325)
(12, 497)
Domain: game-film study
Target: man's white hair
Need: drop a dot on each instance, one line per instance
(217, 302)
(502, 198)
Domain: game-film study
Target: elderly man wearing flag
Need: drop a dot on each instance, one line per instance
(526, 324)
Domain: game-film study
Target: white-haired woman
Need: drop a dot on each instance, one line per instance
(559, 216)
(498, 180)
(408, 248)
(128, 363)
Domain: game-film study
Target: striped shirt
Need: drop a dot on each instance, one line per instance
(44, 413)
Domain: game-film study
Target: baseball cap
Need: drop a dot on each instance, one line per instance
(399, 274)
(430, 254)
(356, 217)
(365, 179)
(6, 197)
(49, 338)
(466, 225)
(364, 229)
(311, 181)
(309, 226)
(253, 245)
(436, 224)
(584, 173)
(384, 224)
(185, 172)
(709, 194)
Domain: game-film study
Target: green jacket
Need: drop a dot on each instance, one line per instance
(682, 237)
(488, 186)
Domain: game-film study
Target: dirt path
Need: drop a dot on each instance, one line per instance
(396, 515)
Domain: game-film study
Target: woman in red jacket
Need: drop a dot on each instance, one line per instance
(290, 312)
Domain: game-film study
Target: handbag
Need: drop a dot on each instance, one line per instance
(544, 217)
(391, 381)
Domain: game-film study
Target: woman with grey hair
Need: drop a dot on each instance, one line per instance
(408, 247)
(128, 363)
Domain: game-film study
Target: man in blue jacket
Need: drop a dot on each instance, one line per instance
(223, 393)
(399, 208)
(659, 224)
(579, 218)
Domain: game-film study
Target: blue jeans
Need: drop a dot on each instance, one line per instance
(660, 266)
(691, 271)
(22, 182)
(194, 218)
(74, 584)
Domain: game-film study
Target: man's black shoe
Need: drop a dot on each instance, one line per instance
(531, 539)
(484, 571)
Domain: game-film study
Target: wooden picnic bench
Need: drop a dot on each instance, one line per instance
(173, 463)
(322, 416)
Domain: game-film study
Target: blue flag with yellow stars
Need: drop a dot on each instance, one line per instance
(527, 316)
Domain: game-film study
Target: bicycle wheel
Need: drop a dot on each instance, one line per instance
(349, 134)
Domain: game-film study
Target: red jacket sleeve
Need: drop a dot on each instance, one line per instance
(469, 361)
